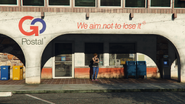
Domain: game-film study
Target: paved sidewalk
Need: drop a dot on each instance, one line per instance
(86, 85)
(88, 81)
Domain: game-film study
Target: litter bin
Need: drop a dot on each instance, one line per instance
(17, 73)
(141, 68)
(5, 72)
(130, 68)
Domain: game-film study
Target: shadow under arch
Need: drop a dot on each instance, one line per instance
(164, 46)
(47, 55)
(173, 54)
(10, 46)
(49, 47)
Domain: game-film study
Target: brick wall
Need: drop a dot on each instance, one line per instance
(112, 72)
(11, 60)
(90, 10)
(95, 9)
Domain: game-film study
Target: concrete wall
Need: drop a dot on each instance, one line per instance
(173, 60)
(64, 23)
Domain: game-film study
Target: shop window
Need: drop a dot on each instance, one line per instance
(33, 2)
(110, 2)
(90, 49)
(59, 2)
(85, 3)
(134, 3)
(119, 53)
(8, 2)
(160, 3)
(179, 4)
(63, 49)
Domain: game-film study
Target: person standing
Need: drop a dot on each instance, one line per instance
(95, 67)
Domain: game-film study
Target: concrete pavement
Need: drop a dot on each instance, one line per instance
(78, 88)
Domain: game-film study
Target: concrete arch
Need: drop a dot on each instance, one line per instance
(177, 55)
(165, 35)
(143, 32)
(11, 53)
(6, 33)
(12, 38)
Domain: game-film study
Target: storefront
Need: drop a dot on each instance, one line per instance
(70, 55)
(58, 41)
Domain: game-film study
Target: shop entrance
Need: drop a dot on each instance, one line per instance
(63, 61)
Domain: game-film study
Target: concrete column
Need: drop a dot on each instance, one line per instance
(79, 59)
(106, 59)
(106, 54)
(79, 53)
(181, 69)
(33, 65)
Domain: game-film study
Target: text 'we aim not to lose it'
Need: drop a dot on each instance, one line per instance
(82, 25)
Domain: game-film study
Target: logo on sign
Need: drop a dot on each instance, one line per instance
(35, 29)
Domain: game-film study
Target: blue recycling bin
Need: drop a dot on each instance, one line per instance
(141, 68)
(130, 68)
(5, 72)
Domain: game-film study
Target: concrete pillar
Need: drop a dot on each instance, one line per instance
(106, 54)
(182, 72)
(181, 69)
(106, 59)
(79, 59)
(79, 53)
(33, 65)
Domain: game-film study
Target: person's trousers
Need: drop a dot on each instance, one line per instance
(95, 69)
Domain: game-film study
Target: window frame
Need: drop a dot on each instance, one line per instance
(53, 58)
(11, 4)
(110, 6)
(135, 49)
(177, 7)
(136, 7)
(171, 4)
(85, 6)
(32, 5)
(135, 57)
(70, 4)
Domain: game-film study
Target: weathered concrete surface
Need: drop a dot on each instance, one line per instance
(64, 23)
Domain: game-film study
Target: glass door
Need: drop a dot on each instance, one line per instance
(63, 60)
